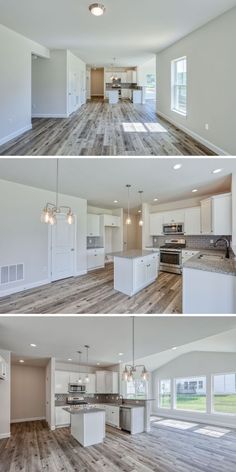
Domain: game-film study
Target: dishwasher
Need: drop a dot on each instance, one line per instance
(125, 419)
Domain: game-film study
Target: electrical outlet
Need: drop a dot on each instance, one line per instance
(206, 126)
(211, 241)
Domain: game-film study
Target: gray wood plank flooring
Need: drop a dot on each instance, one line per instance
(93, 293)
(34, 448)
(97, 129)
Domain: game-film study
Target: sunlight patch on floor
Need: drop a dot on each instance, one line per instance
(134, 128)
(212, 431)
(155, 128)
(177, 424)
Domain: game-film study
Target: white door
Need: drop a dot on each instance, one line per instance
(74, 92)
(82, 88)
(62, 249)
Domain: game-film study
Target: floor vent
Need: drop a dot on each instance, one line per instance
(11, 273)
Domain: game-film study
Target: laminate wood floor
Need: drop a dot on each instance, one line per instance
(34, 448)
(98, 128)
(94, 294)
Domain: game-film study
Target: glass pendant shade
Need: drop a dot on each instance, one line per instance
(70, 217)
(133, 371)
(128, 221)
(140, 222)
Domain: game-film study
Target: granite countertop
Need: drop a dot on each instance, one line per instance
(220, 266)
(132, 254)
(123, 87)
(83, 411)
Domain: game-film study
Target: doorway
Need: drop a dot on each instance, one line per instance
(62, 249)
(97, 83)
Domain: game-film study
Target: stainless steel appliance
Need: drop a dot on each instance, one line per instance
(171, 256)
(76, 401)
(125, 418)
(173, 228)
(75, 387)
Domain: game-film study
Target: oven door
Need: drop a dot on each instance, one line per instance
(171, 261)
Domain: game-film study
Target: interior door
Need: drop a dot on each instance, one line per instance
(62, 249)
(73, 92)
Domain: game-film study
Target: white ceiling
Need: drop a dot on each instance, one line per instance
(102, 180)
(132, 31)
(61, 337)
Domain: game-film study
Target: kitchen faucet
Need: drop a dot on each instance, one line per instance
(227, 245)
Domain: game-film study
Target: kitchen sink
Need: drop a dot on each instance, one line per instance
(211, 257)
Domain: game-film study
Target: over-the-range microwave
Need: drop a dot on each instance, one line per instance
(173, 228)
(75, 387)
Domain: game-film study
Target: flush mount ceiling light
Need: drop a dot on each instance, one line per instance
(51, 210)
(69, 359)
(131, 370)
(217, 171)
(128, 219)
(33, 345)
(177, 166)
(194, 190)
(97, 9)
(141, 204)
(87, 375)
(115, 201)
(21, 361)
(155, 199)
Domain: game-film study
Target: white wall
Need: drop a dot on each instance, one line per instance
(233, 190)
(5, 403)
(15, 82)
(28, 402)
(24, 239)
(190, 365)
(211, 73)
(76, 74)
(50, 393)
(149, 67)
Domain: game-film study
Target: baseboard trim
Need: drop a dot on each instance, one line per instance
(24, 420)
(5, 435)
(44, 115)
(82, 272)
(15, 134)
(22, 288)
(197, 137)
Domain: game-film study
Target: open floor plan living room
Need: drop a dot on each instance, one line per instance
(150, 78)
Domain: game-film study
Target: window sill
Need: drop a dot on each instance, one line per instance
(179, 112)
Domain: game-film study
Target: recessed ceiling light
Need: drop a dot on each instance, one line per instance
(121, 353)
(97, 9)
(21, 361)
(33, 345)
(69, 359)
(155, 199)
(217, 171)
(115, 201)
(174, 348)
(98, 363)
(194, 190)
(139, 211)
(177, 166)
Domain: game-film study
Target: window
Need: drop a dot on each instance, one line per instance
(179, 85)
(190, 394)
(137, 388)
(224, 393)
(165, 394)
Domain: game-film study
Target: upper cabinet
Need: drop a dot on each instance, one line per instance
(216, 215)
(156, 222)
(192, 222)
(62, 379)
(91, 385)
(93, 225)
(175, 216)
(110, 220)
(107, 382)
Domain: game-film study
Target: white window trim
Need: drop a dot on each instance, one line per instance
(175, 394)
(213, 412)
(173, 62)
(159, 394)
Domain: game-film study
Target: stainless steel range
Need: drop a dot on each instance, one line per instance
(76, 401)
(171, 255)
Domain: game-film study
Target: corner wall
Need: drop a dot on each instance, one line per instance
(28, 402)
(211, 71)
(5, 389)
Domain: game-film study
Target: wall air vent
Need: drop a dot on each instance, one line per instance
(11, 273)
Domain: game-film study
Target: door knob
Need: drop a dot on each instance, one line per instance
(72, 249)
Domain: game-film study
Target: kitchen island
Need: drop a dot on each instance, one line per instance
(134, 270)
(87, 425)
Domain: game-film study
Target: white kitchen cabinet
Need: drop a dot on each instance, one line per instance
(107, 382)
(145, 271)
(95, 258)
(110, 220)
(155, 224)
(206, 217)
(186, 255)
(113, 415)
(134, 77)
(175, 216)
(91, 385)
(75, 376)
(62, 379)
(132, 419)
(192, 221)
(216, 215)
(93, 225)
(62, 418)
(133, 274)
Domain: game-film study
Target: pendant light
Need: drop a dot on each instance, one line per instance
(128, 219)
(130, 370)
(97, 9)
(50, 211)
(141, 205)
(79, 352)
(87, 375)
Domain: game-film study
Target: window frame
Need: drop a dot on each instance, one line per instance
(213, 412)
(173, 84)
(175, 394)
(159, 396)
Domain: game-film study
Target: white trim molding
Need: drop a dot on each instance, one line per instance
(42, 115)
(5, 435)
(22, 288)
(23, 420)
(81, 272)
(15, 134)
(197, 137)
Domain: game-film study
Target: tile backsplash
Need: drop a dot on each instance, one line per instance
(94, 241)
(202, 242)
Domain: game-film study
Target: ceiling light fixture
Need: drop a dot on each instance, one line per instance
(141, 204)
(174, 348)
(121, 353)
(115, 201)
(177, 166)
(98, 363)
(33, 345)
(79, 352)
(130, 370)
(21, 361)
(97, 9)
(194, 190)
(69, 359)
(50, 211)
(114, 76)
(217, 171)
(155, 199)
(87, 375)
(128, 219)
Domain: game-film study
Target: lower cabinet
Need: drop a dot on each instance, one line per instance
(62, 418)
(112, 414)
(145, 271)
(132, 419)
(95, 258)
